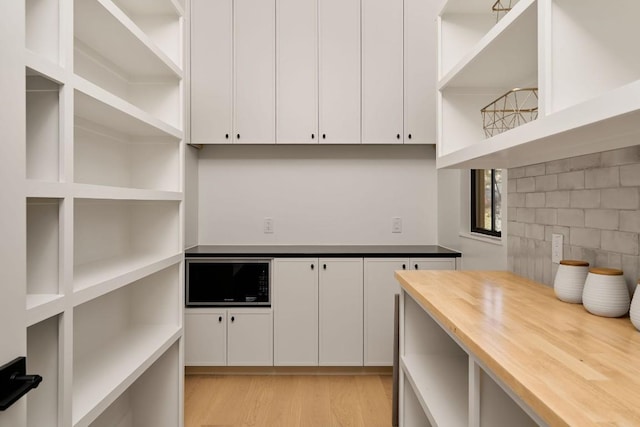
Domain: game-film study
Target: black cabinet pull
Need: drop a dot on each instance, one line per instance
(324, 266)
(404, 266)
(324, 136)
(15, 383)
(312, 266)
(233, 319)
(409, 136)
(220, 319)
(398, 136)
(226, 136)
(313, 136)
(416, 266)
(238, 136)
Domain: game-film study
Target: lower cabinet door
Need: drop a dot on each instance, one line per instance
(433, 263)
(250, 338)
(205, 337)
(340, 307)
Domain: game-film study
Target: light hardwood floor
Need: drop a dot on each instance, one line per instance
(288, 400)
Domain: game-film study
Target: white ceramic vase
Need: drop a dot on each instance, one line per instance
(634, 312)
(569, 281)
(606, 293)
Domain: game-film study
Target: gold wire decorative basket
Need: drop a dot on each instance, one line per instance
(514, 108)
(501, 8)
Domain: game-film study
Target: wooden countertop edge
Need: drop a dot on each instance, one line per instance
(470, 346)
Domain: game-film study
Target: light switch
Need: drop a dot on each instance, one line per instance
(268, 225)
(396, 225)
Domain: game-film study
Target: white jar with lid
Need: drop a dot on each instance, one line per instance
(634, 312)
(606, 293)
(569, 281)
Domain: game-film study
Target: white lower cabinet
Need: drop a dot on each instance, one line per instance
(234, 337)
(318, 311)
(380, 286)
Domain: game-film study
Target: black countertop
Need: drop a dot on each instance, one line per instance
(329, 251)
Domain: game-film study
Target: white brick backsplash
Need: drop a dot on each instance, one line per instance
(546, 183)
(620, 242)
(511, 186)
(526, 215)
(630, 175)
(630, 221)
(585, 198)
(604, 219)
(585, 237)
(588, 161)
(558, 166)
(620, 198)
(525, 185)
(571, 217)
(516, 200)
(535, 170)
(511, 214)
(558, 199)
(602, 178)
(549, 230)
(535, 200)
(571, 180)
(515, 229)
(546, 216)
(516, 172)
(622, 156)
(534, 231)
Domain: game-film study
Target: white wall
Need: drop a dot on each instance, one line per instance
(478, 253)
(317, 194)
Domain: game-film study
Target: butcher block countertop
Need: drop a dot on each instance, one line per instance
(572, 368)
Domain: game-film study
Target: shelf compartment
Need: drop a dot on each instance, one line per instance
(506, 57)
(120, 335)
(43, 246)
(585, 36)
(43, 127)
(160, 20)
(113, 238)
(157, 388)
(412, 413)
(42, 28)
(89, 191)
(43, 352)
(106, 156)
(114, 53)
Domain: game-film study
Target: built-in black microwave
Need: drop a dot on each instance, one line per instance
(215, 282)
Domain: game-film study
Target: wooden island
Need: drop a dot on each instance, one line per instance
(481, 348)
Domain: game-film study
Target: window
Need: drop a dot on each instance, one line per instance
(486, 198)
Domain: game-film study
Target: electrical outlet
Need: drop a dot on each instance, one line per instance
(556, 248)
(396, 224)
(268, 225)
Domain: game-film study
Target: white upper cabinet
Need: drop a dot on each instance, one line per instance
(382, 71)
(339, 52)
(420, 76)
(254, 87)
(211, 71)
(297, 81)
(576, 54)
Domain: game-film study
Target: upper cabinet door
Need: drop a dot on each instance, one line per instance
(339, 51)
(420, 75)
(254, 29)
(297, 71)
(382, 71)
(211, 71)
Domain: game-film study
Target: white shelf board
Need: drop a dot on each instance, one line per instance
(104, 375)
(604, 123)
(103, 192)
(505, 57)
(104, 27)
(152, 7)
(440, 383)
(97, 105)
(468, 6)
(45, 189)
(44, 67)
(94, 279)
(43, 306)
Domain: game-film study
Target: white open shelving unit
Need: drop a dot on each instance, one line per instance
(103, 194)
(576, 54)
(441, 384)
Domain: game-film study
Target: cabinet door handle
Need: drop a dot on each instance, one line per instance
(233, 319)
(398, 136)
(313, 136)
(238, 136)
(324, 266)
(324, 136)
(220, 319)
(404, 266)
(409, 136)
(416, 266)
(312, 266)
(226, 136)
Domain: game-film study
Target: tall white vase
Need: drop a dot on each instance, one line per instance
(634, 312)
(569, 281)
(606, 293)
